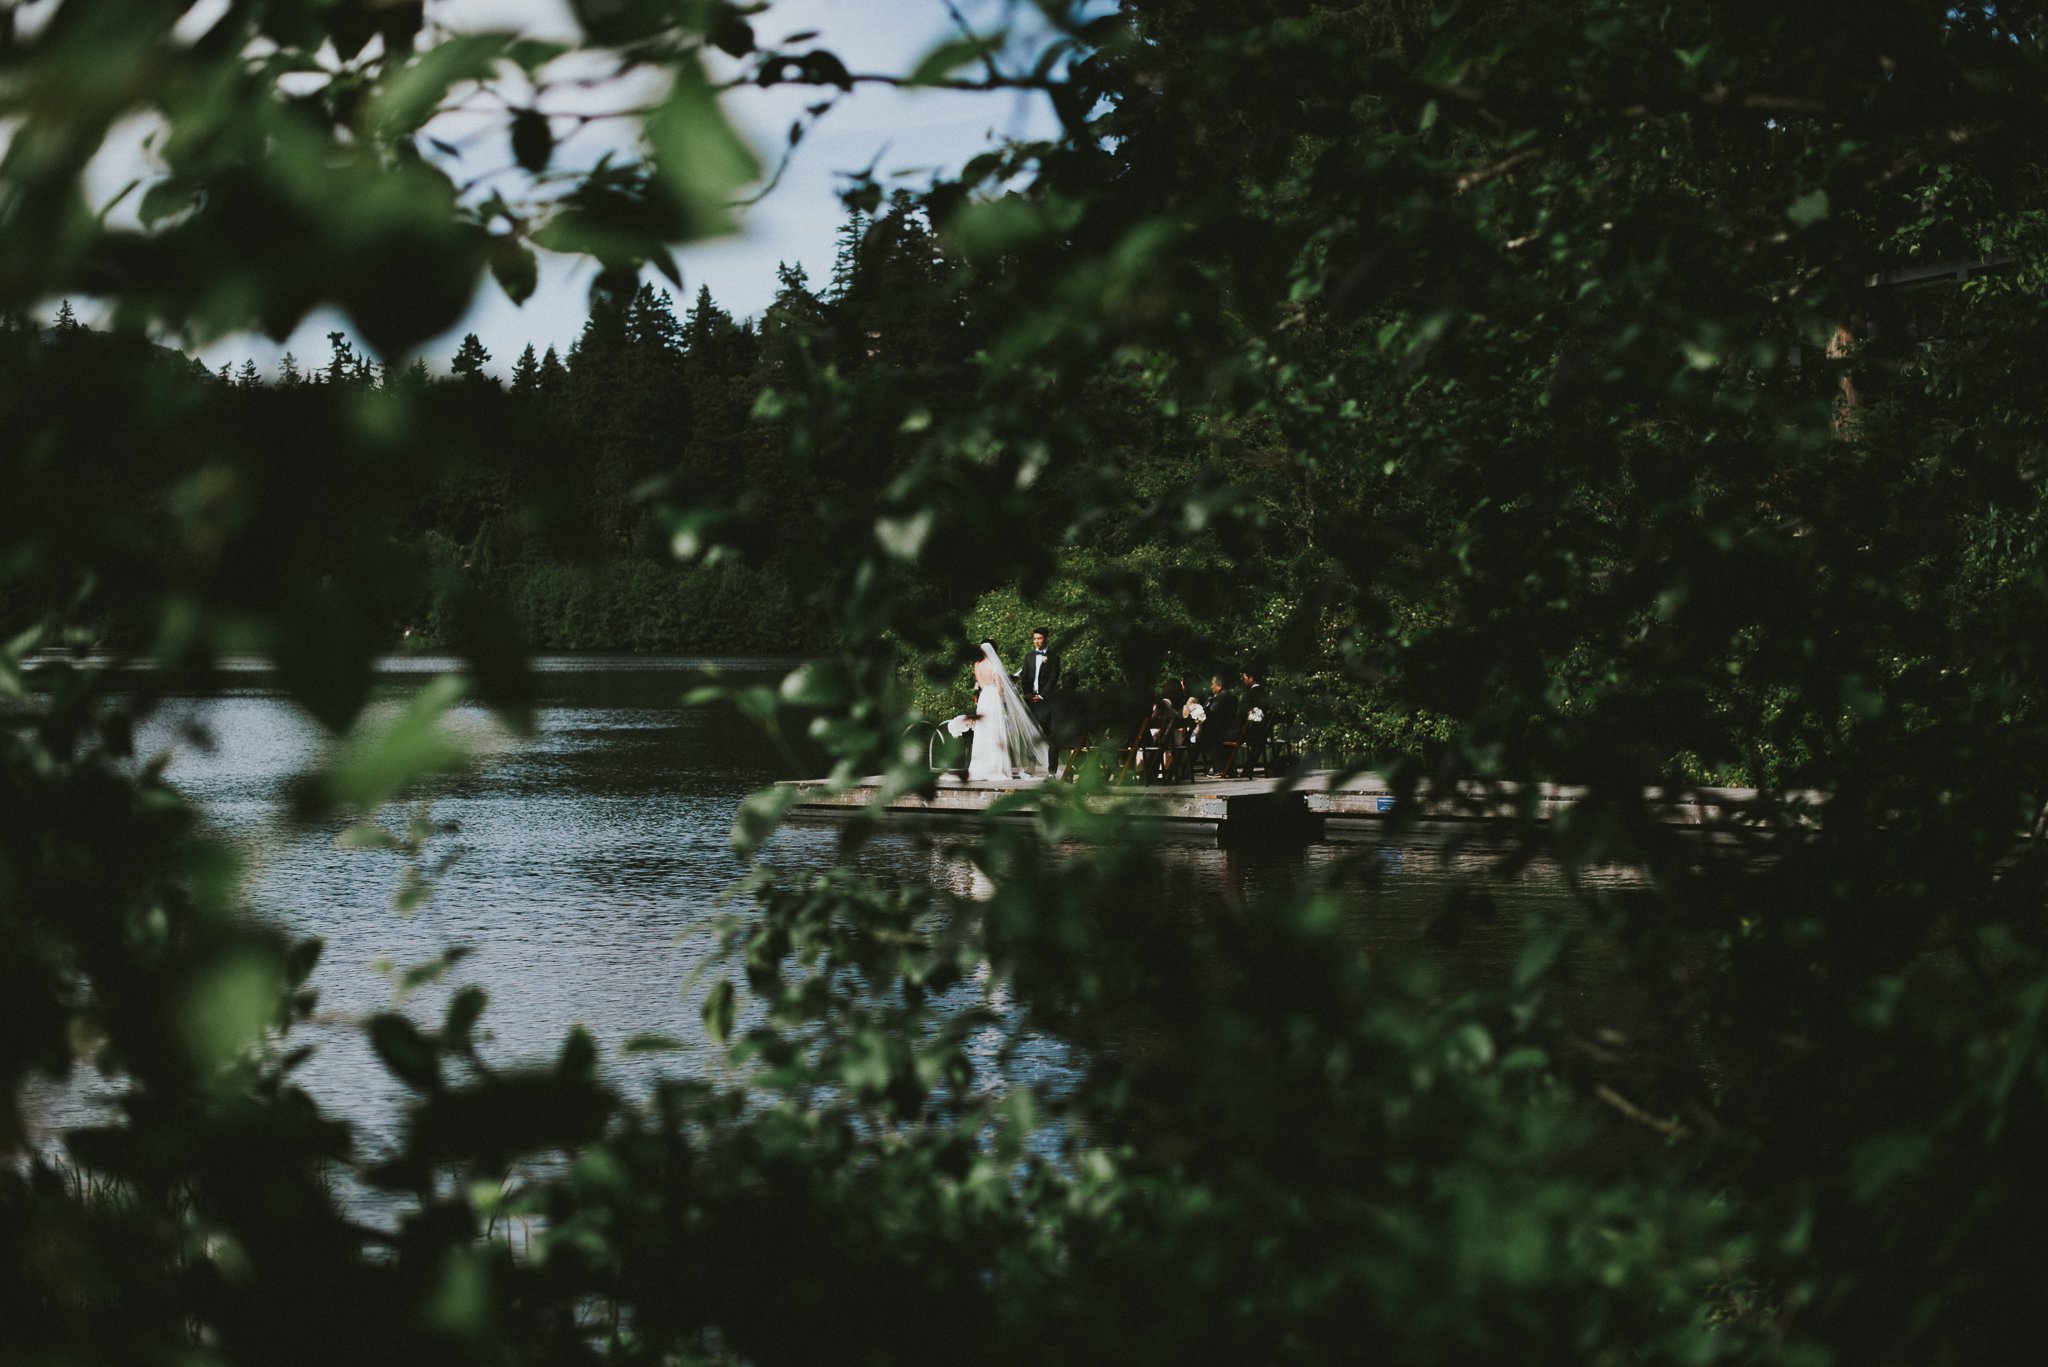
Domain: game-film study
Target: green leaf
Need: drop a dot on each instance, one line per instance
(460, 1302)
(760, 812)
(718, 1009)
(405, 1052)
(163, 199)
(1809, 209)
(373, 767)
(514, 266)
(577, 1060)
(531, 54)
(465, 1009)
(367, 835)
(697, 154)
(227, 1007)
(1880, 1162)
(989, 229)
(1538, 957)
(533, 140)
(433, 970)
(904, 537)
(651, 1044)
(948, 57)
(412, 95)
(816, 684)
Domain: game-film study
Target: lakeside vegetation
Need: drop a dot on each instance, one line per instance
(1509, 378)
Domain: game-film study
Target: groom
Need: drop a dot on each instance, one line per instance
(1039, 679)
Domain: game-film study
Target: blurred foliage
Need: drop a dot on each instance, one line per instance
(1474, 364)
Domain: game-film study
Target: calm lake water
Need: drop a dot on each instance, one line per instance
(584, 869)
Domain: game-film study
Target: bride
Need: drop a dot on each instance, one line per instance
(1007, 742)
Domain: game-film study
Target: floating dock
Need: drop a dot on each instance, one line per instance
(1303, 807)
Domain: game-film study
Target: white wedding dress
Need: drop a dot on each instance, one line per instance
(1007, 743)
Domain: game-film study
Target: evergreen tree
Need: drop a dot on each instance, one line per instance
(341, 363)
(288, 371)
(651, 320)
(846, 259)
(67, 320)
(710, 337)
(889, 308)
(552, 374)
(249, 377)
(414, 379)
(469, 359)
(603, 330)
(796, 318)
(526, 373)
(793, 294)
(628, 396)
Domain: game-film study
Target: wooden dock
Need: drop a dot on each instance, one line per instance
(1302, 807)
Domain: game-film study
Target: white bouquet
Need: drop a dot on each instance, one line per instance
(1256, 714)
(959, 725)
(1194, 711)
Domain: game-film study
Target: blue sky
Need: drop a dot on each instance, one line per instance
(900, 133)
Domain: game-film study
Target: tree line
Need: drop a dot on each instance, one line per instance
(564, 519)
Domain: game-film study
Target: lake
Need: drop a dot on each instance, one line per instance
(584, 867)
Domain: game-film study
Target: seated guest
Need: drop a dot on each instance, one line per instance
(1193, 713)
(1157, 741)
(1174, 693)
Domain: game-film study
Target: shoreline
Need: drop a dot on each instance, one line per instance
(440, 662)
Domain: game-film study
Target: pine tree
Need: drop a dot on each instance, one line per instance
(794, 280)
(226, 377)
(67, 321)
(890, 308)
(248, 377)
(651, 321)
(604, 330)
(708, 332)
(288, 371)
(553, 373)
(526, 373)
(468, 363)
(846, 261)
(341, 365)
(795, 316)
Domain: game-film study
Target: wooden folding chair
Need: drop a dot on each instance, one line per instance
(1146, 751)
(1250, 746)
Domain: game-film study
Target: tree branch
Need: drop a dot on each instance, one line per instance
(1670, 1129)
(1473, 179)
(988, 57)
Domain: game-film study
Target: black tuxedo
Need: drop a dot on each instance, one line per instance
(1039, 674)
(1219, 725)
